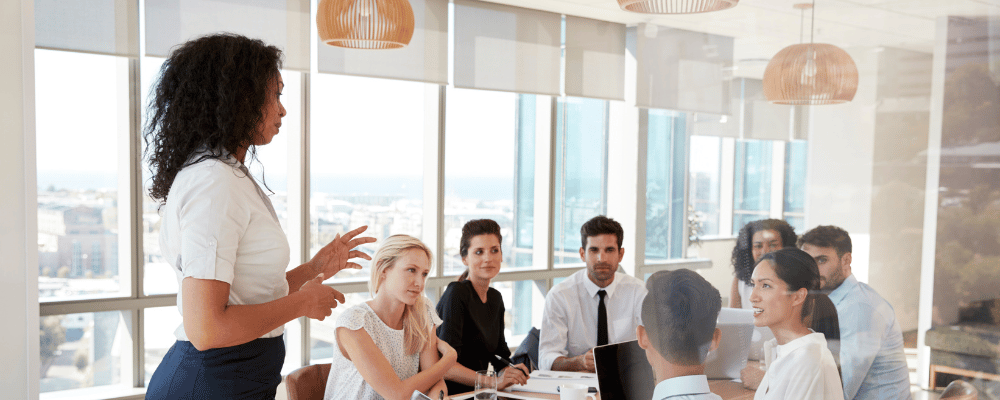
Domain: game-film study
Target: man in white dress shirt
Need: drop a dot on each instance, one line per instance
(678, 331)
(592, 307)
(872, 362)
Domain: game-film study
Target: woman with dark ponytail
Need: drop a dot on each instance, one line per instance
(785, 298)
(473, 312)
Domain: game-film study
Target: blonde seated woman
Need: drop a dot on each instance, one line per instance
(386, 347)
(799, 364)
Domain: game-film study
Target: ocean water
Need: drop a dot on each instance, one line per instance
(482, 188)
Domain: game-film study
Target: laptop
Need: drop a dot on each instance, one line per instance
(623, 371)
(761, 334)
(730, 357)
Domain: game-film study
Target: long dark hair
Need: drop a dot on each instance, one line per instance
(472, 229)
(743, 262)
(798, 270)
(210, 96)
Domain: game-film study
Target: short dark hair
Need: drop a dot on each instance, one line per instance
(798, 270)
(742, 259)
(828, 236)
(601, 225)
(679, 314)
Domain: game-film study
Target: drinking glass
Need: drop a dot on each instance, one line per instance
(486, 385)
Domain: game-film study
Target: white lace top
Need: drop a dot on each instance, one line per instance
(345, 382)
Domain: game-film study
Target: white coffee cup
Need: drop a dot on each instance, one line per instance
(574, 391)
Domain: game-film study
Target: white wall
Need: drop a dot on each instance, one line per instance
(721, 274)
(18, 211)
(841, 150)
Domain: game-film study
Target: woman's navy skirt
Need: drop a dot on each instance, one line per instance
(249, 371)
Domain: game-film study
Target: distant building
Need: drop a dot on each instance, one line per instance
(77, 238)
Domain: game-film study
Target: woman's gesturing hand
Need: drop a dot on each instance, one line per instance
(335, 256)
(318, 299)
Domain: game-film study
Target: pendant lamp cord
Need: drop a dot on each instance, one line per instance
(812, 24)
(802, 25)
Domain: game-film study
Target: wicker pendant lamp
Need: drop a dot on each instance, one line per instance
(810, 73)
(365, 24)
(675, 6)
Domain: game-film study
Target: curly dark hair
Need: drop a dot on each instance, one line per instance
(210, 95)
(743, 261)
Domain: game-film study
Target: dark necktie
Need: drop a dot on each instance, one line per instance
(602, 319)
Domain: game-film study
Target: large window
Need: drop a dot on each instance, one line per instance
(479, 164)
(581, 166)
(365, 169)
(78, 118)
(666, 162)
(752, 189)
(705, 183)
(795, 184)
(366, 160)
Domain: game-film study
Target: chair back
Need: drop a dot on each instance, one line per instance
(960, 390)
(527, 351)
(308, 383)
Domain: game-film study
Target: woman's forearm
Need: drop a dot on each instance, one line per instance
(298, 276)
(210, 322)
(459, 373)
(426, 378)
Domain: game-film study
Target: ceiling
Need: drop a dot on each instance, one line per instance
(763, 27)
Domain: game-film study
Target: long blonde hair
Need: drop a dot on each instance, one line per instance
(415, 319)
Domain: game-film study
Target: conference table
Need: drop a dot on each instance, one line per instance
(728, 390)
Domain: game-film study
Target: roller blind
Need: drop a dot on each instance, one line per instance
(108, 27)
(595, 58)
(682, 70)
(752, 116)
(506, 48)
(761, 119)
(425, 59)
(282, 23)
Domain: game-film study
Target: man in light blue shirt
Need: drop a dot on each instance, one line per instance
(871, 344)
(679, 315)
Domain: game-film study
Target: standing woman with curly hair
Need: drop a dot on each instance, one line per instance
(756, 239)
(217, 98)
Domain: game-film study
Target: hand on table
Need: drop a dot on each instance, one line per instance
(512, 375)
(585, 362)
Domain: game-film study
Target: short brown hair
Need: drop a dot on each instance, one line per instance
(827, 236)
(601, 225)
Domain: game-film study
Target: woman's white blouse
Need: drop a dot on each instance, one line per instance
(345, 381)
(800, 369)
(218, 224)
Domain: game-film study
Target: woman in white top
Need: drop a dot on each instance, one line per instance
(799, 364)
(217, 98)
(386, 347)
(755, 239)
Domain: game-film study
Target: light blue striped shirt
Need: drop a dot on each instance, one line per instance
(871, 344)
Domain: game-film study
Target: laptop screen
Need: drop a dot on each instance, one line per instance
(623, 372)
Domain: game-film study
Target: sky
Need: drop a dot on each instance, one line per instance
(360, 126)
